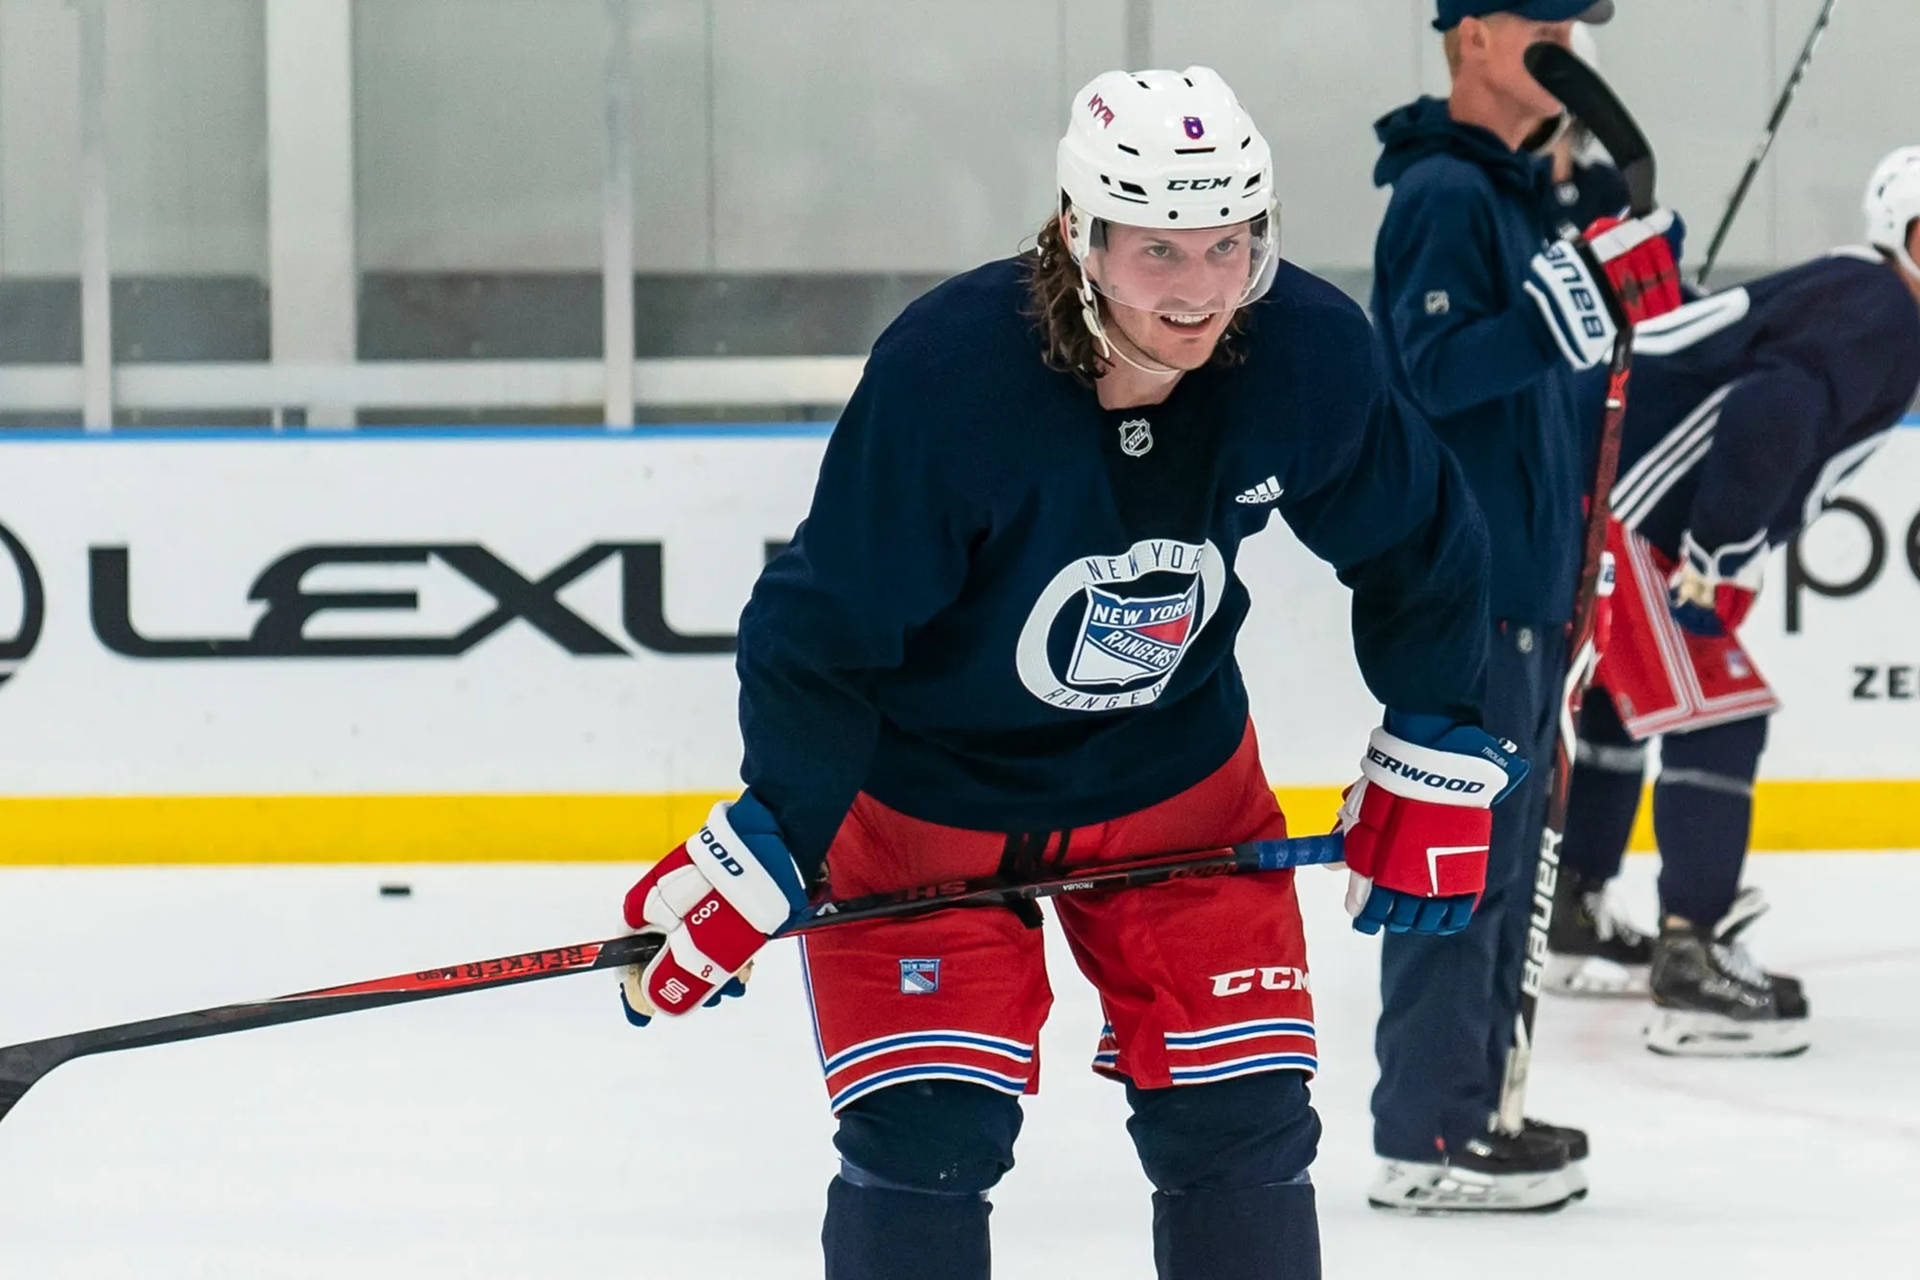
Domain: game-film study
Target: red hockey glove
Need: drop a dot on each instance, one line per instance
(1419, 821)
(717, 899)
(1640, 256)
(1603, 607)
(1711, 592)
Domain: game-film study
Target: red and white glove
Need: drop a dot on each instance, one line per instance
(1640, 256)
(1419, 822)
(1711, 592)
(1620, 271)
(718, 898)
(1603, 606)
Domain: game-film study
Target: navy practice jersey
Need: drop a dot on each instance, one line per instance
(1749, 406)
(1012, 610)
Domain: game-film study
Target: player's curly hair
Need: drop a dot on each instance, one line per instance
(1053, 304)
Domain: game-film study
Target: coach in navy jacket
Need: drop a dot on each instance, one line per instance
(1468, 345)
(1490, 328)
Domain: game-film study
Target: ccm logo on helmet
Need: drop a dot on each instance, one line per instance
(720, 854)
(1100, 109)
(1199, 184)
(1438, 781)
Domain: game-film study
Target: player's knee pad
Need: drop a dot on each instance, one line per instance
(1729, 752)
(936, 1136)
(1254, 1131)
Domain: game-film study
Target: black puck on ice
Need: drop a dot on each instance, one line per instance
(396, 890)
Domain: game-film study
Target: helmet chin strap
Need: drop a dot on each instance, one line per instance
(1109, 350)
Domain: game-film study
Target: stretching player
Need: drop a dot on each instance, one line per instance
(1489, 320)
(1003, 642)
(1748, 408)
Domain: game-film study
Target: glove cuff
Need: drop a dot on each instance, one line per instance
(759, 880)
(1437, 777)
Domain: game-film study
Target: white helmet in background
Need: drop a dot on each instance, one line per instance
(1585, 47)
(1164, 149)
(1893, 204)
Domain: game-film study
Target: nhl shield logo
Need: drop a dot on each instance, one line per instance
(919, 977)
(1124, 638)
(1136, 437)
(1195, 129)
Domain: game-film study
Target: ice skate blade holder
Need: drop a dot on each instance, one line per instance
(1436, 1190)
(1596, 977)
(1684, 1033)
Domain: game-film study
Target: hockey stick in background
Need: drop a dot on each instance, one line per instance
(24, 1065)
(1587, 97)
(1766, 141)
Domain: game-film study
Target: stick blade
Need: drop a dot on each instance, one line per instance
(1585, 95)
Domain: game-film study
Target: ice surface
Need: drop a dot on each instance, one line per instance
(522, 1133)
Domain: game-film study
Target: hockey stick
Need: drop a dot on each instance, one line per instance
(1766, 141)
(1581, 90)
(24, 1065)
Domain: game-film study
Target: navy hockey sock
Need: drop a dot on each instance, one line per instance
(1255, 1233)
(880, 1233)
(1703, 816)
(1229, 1163)
(1605, 795)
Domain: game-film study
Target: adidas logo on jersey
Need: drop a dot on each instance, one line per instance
(1266, 491)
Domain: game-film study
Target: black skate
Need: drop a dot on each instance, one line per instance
(1591, 951)
(1493, 1173)
(1712, 1001)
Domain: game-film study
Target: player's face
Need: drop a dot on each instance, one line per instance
(1171, 294)
(1508, 38)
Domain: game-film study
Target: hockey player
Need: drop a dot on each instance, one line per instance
(1748, 408)
(1489, 321)
(1003, 640)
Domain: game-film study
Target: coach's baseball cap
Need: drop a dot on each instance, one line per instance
(1451, 11)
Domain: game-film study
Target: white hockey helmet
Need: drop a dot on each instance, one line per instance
(1585, 46)
(1893, 204)
(1166, 149)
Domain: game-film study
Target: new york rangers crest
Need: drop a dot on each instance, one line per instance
(919, 977)
(1195, 129)
(1109, 631)
(1124, 639)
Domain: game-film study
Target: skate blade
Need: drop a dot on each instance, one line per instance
(1595, 978)
(1427, 1190)
(1682, 1033)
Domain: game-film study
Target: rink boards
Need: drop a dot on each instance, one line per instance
(479, 645)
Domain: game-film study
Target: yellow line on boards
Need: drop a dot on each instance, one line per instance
(147, 830)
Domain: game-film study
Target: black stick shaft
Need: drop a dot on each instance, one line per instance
(1765, 145)
(23, 1065)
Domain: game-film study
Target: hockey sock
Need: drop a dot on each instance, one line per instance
(1605, 794)
(880, 1233)
(1255, 1233)
(1703, 816)
(1229, 1160)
